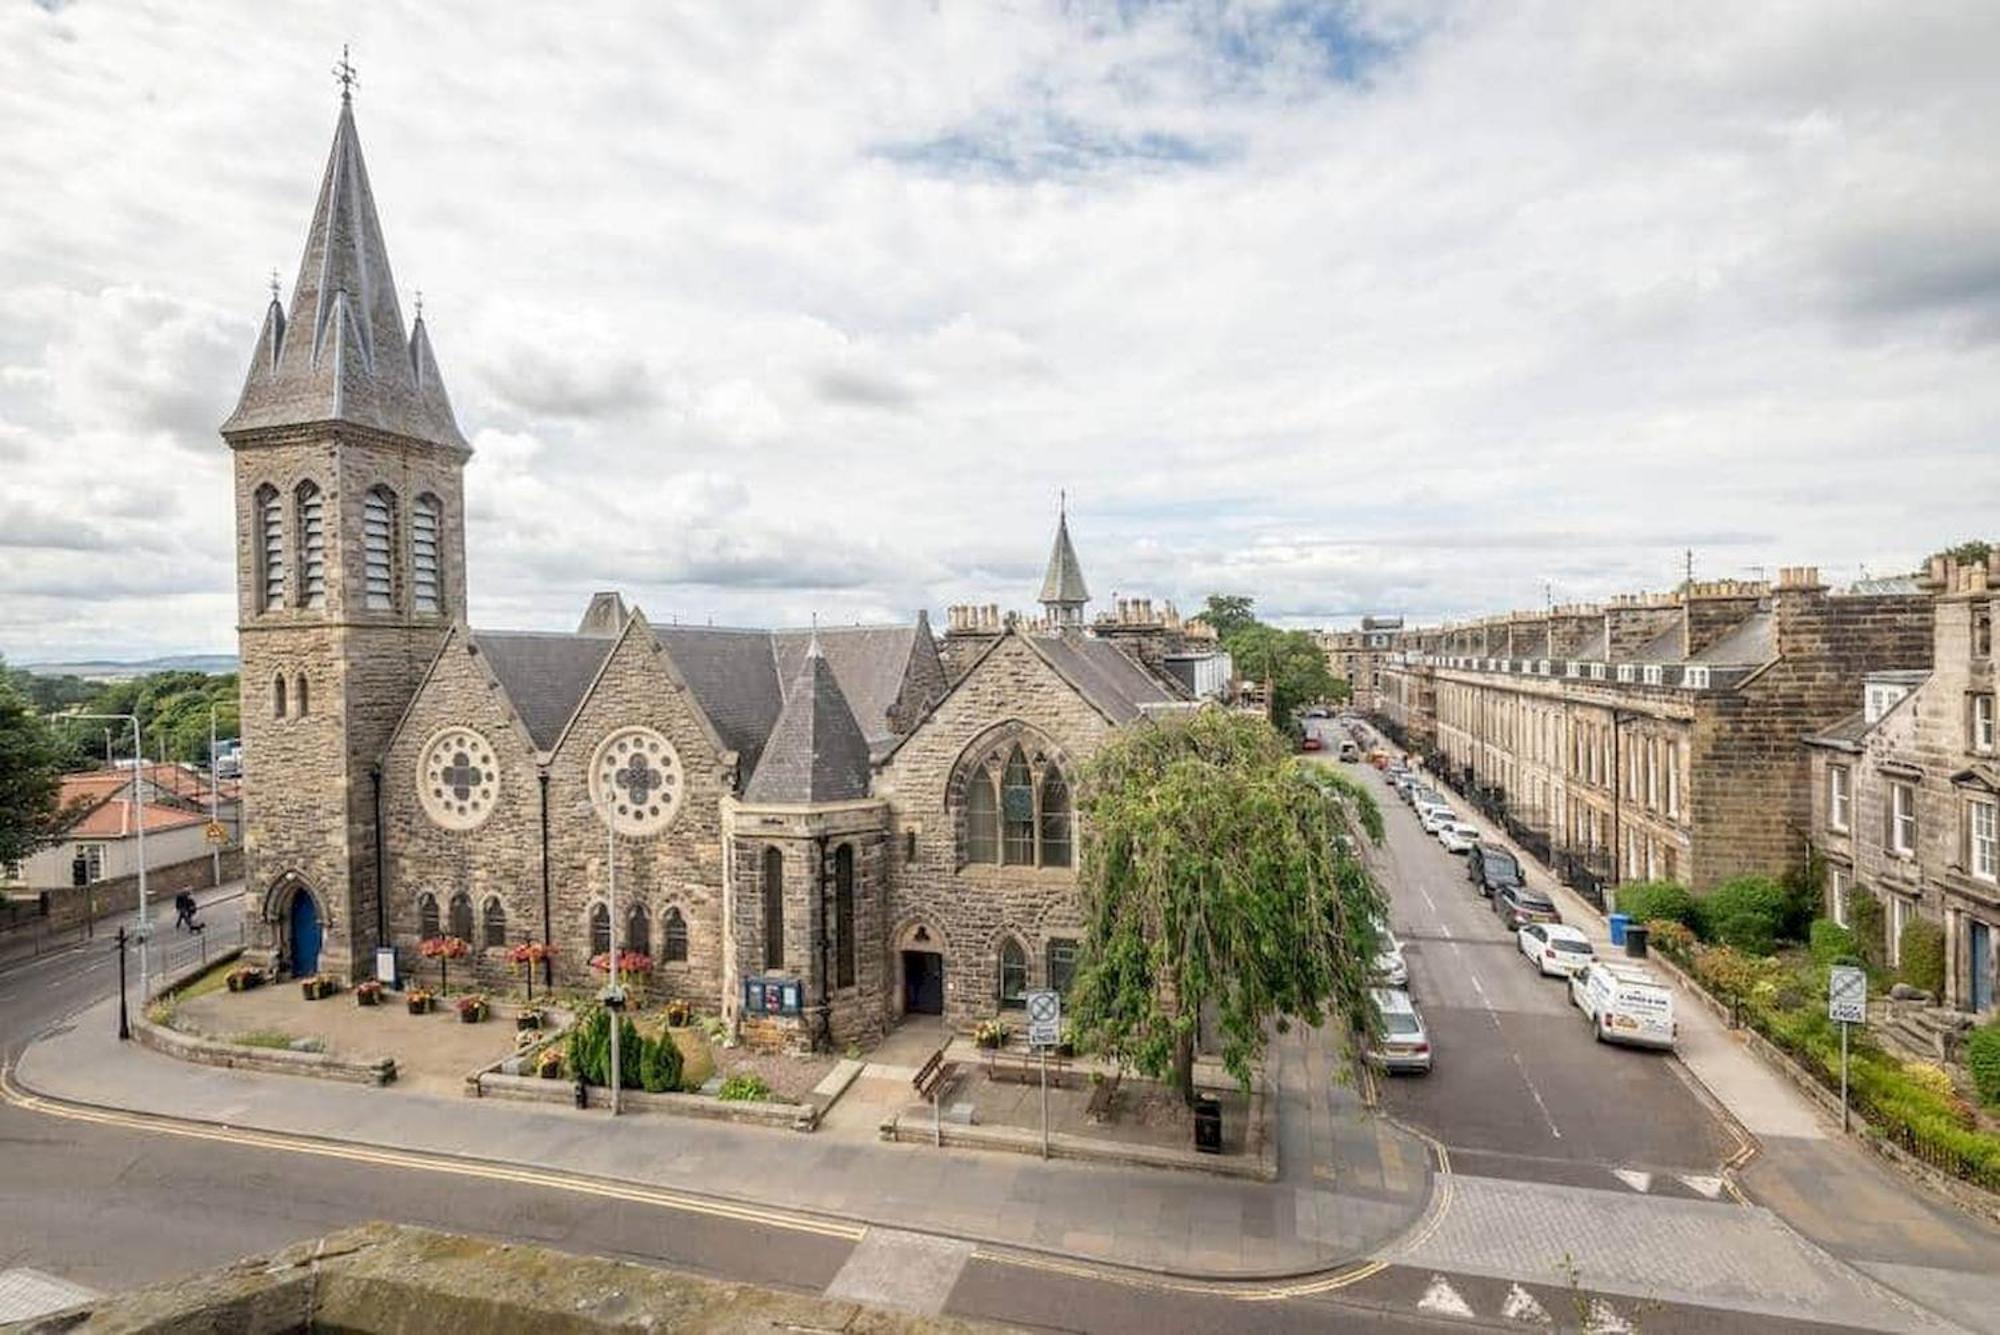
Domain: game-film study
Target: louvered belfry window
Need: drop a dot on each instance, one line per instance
(312, 546)
(426, 574)
(271, 521)
(378, 546)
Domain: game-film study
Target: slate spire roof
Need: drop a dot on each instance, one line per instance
(816, 752)
(340, 353)
(1063, 586)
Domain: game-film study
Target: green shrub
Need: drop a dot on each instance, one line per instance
(1864, 919)
(590, 1050)
(1748, 913)
(1671, 938)
(1923, 956)
(1982, 1058)
(660, 1065)
(1648, 901)
(1728, 972)
(1830, 943)
(1805, 897)
(744, 1088)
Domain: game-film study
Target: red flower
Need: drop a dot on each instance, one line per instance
(629, 961)
(530, 952)
(444, 947)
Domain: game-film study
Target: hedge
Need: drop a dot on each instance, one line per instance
(1748, 913)
(1923, 956)
(1830, 943)
(1982, 1057)
(1651, 901)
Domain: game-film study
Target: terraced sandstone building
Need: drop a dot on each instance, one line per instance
(813, 832)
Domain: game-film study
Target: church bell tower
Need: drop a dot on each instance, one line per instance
(350, 556)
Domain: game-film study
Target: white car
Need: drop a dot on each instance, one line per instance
(1556, 949)
(1457, 837)
(1390, 968)
(1625, 1004)
(1433, 816)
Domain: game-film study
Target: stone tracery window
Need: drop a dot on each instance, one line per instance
(600, 930)
(639, 930)
(458, 779)
(674, 937)
(1018, 810)
(427, 916)
(494, 924)
(636, 781)
(1013, 975)
(461, 916)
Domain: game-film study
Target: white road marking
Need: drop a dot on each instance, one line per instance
(1473, 978)
(1547, 1116)
(1710, 1187)
(1443, 1298)
(1633, 1178)
(1604, 1321)
(1523, 1306)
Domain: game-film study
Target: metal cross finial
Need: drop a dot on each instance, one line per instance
(1062, 503)
(343, 74)
(274, 284)
(420, 303)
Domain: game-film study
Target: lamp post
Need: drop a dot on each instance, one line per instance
(613, 995)
(215, 808)
(145, 931)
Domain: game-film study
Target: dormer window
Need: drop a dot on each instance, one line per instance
(1654, 674)
(1627, 672)
(1695, 677)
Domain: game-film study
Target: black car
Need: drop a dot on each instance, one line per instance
(1517, 904)
(1490, 867)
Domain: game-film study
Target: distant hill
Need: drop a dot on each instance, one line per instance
(127, 671)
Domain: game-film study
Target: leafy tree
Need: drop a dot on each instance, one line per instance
(1975, 552)
(1220, 872)
(30, 770)
(1292, 661)
(1228, 613)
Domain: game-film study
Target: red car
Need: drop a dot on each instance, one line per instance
(1311, 743)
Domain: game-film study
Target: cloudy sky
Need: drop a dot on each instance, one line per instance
(760, 310)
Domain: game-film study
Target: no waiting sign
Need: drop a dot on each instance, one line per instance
(1044, 1019)
(1846, 995)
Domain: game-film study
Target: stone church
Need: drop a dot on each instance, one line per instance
(813, 832)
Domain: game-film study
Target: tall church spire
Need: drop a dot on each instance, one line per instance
(1063, 590)
(342, 354)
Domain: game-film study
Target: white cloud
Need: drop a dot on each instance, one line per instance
(756, 311)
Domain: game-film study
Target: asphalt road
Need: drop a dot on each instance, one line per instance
(1519, 1088)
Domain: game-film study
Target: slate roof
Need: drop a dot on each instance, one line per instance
(1063, 584)
(1885, 586)
(1593, 650)
(816, 751)
(116, 820)
(1103, 674)
(1664, 647)
(544, 674)
(870, 663)
(1752, 642)
(340, 353)
(1847, 733)
(734, 678)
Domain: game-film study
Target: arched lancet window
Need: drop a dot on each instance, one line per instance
(674, 937)
(1013, 975)
(378, 549)
(843, 916)
(638, 930)
(493, 920)
(1017, 812)
(270, 549)
(427, 916)
(426, 557)
(600, 930)
(774, 909)
(312, 545)
(1055, 819)
(301, 700)
(982, 817)
(278, 696)
(461, 917)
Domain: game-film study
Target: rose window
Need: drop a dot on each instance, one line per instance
(636, 781)
(458, 780)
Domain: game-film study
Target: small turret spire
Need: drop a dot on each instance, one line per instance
(1063, 591)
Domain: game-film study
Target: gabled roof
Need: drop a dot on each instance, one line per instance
(119, 819)
(1102, 674)
(1751, 642)
(734, 681)
(1846, 734)
(816, 751)
(341, 353)
(1063, 584)
(544, 674)
(871, 664)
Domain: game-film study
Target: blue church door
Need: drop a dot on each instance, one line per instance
(305, 935)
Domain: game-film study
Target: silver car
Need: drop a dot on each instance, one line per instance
(1405, 1045)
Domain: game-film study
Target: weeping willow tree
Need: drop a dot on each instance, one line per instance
(1219, 869)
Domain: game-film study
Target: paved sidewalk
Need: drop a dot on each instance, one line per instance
(1365, 1185)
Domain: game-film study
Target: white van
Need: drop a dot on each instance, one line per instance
(1624, 1003)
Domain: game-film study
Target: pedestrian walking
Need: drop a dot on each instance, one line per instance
(184, 909)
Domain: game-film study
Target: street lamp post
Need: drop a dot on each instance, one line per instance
(613, 995)
(145, 931)
(215, 808)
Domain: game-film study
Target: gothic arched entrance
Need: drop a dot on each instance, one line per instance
(920, 964)
(303, 934)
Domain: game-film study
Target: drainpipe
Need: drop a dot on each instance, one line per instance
(548, 965)
(381, 863)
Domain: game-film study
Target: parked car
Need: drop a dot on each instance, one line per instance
(1490, 867)
(1625, 1004)
(1558, 950)
(1457, 837)
(1390, 968)
(1433, 815)
(1316, 712)
(1405, 1044)
(1350, 752)
(1311, 742)
(1518, 905)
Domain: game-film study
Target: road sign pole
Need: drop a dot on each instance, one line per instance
(1045, 1103)
(1843, 1077)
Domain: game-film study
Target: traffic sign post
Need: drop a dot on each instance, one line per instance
(1044, 1032)
(1846, 1004)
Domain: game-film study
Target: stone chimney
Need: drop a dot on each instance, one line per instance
(1633, 620)
(1571, 626)
(969, 629)
(1799, 602)
(1712, 608)
(1528, 635)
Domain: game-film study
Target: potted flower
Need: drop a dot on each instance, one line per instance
(529, 955)
(243, 979)
(679, 1013)
(990, 1034)
(368, 993)
(530, 1018)
(471, 1009)
(318, 986)
(420, 1001)
(549, 1063)
(444, 949)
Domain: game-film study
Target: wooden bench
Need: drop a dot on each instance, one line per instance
(1024, 1068)
(1102, 1099)
(933, 1076)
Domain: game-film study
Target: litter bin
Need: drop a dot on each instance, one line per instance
(1207, 1125)
(1635, 940)
(1619, 922)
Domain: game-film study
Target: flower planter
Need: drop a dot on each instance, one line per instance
(317, 988)
(528, 1020)
(472, 1015)
(368, 994)
(419, 1003)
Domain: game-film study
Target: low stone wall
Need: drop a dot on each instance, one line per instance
(71, 906)
(237, 1056)
(535, 1089)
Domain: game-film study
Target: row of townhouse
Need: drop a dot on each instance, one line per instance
(1906, 789)
(1355, 656)
(1653, 737)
